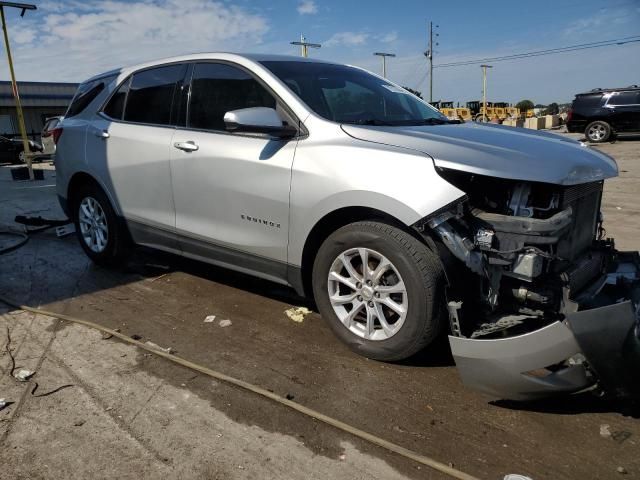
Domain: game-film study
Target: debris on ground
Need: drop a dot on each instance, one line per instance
(342, 457)
(605, 430)
(3, 403)
(289, 396)
(78, 423)
(621, 470)
(225, 323)
(209, 318)
(135, 336)
(107, 336)
(158, 347)
(516, 476)
(23, 375)
(297, 314)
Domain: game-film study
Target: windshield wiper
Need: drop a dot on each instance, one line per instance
(437, 121)
(371, 121)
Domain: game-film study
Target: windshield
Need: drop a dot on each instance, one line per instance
(349, 95)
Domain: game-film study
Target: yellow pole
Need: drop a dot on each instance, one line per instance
(16, 94)
(483, 110)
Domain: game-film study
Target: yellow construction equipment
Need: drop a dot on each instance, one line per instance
(447, 109)
(463, 113)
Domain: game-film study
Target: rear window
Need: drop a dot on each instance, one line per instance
(151, 94)
(51, 124)
(624, 98)
(588, 101)
(86, 93)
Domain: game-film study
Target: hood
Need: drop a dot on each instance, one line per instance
(497, 151)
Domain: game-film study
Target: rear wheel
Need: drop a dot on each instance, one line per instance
(378, 286)
(598, 132)
(103, 236)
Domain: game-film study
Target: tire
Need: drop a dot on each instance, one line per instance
(598, 132)
(105, 246)
(411, 263)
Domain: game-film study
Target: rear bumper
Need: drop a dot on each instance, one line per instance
(596, 345)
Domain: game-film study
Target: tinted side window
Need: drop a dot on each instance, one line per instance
(584, 102)
(86, 93)
(115, 107)
(624, 98)
(151, 94)
(217, 89)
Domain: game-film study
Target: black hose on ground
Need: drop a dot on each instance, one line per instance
(23, 239)
(39, 222)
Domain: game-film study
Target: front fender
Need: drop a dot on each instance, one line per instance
(352, 173)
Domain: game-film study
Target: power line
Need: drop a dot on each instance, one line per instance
(551, 51)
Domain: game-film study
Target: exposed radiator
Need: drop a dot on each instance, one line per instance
(584, 200)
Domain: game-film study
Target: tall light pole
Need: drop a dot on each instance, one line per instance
(429, 55)
(384, 61)
(484, 90)
(23, 130)
(304, 46)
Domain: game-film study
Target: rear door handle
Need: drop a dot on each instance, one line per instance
(188, 146)
(101, 133)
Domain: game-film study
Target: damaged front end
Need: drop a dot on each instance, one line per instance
(539, 301)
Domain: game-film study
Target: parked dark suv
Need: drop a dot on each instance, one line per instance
(602, 113)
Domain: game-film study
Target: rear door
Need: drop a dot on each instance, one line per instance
(132, 137)
(231, 190)
(625, 111)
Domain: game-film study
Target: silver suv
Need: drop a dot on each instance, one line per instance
(398, 222)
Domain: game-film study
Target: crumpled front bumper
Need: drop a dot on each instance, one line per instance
(593, 345)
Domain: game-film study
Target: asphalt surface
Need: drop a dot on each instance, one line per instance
(129, 414)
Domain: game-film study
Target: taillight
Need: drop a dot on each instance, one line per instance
(56, 132)
(569, 114)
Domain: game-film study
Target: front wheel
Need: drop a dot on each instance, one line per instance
(103, 236)
(379, 289)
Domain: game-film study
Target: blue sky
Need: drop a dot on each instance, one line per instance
(74, 39)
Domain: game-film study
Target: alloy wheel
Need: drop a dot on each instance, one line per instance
(597, 132)
(93, 224)
(367, 294)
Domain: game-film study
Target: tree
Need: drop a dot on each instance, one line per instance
(552, 109)
(525, 105)
(415, 92)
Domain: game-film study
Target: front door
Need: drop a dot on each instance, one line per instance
(231, 191)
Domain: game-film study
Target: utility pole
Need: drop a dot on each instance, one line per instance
(429, 55)
(484, 91)
(304, 46)
(384, 61)
(23, 130)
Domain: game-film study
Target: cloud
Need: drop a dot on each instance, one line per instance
(606, 22)
(308, 7)
(389, 37)
(351, 39)
(66, 43)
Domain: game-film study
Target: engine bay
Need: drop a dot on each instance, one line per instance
(539, 300)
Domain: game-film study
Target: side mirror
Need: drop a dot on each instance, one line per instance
(258, 120)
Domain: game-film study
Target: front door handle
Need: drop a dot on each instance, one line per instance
(188, 146)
